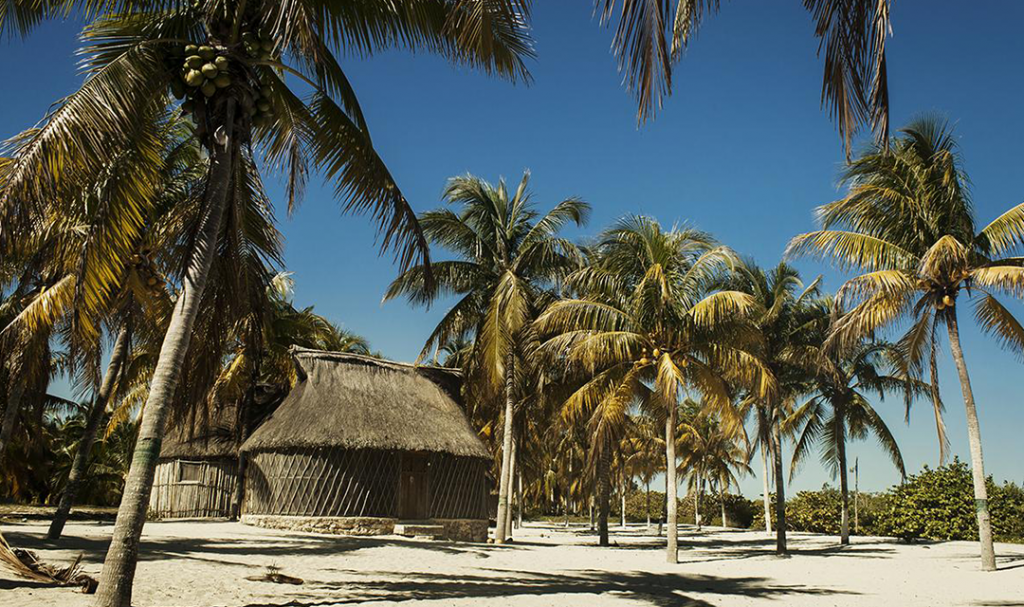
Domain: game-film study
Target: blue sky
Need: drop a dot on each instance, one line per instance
(741, 149)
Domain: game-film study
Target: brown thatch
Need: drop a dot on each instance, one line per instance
(214, 438)
(359, 402)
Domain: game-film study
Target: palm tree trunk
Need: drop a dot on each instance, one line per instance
(603, 496)
(622, 499)
(519, 499)
(780, 493)
(767, 489)
(671, 490)
(988, 554)
(115, 587)
(99, 407)
(501, 531)
(511, 488)
(11, 413)
(696, 506)
(721, 501)
(844, 485)
(647, 505)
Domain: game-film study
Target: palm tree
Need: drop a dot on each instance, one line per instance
(510, 258)
(711, 454)
(788, 318)
(651, 317)
(908, 223)
(838, 410)
(652, 35)
(644, 449)
(229, 64)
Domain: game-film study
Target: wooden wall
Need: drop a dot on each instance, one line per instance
(193, 489)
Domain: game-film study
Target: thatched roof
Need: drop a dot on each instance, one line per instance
(206, 439)
(215, 435)
(360, 402)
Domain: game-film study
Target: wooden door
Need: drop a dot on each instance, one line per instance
(413, 487)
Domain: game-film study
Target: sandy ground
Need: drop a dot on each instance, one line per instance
(204, 563)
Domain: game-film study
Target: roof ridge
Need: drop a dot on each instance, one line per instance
(299, 351)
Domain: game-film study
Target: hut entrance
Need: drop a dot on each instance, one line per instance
(412, 495)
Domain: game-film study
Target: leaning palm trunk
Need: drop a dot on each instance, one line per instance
(780, 494)
(115, 588)
(81, 463)
(767, 489)
(988, 555)
(844, 484)
(671, 506)
(501, 530)
(11, 415)
(603, 496)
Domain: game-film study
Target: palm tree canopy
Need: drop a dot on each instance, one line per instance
(908, 224)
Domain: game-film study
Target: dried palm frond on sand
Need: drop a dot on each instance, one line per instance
(24, 563)
(274, 575)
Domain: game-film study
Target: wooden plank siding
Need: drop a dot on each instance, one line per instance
(193, 489)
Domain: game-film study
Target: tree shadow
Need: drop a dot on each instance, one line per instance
(657, 589)
(267, 543)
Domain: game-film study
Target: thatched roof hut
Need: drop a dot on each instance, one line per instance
(360, 438)
(197, 475)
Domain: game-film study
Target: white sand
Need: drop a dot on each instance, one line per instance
(198, 563)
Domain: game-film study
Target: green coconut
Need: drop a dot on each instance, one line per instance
(194, 78)
(262, 106)
(208, 88)
(222, 63)
(222, 81)
(267, 44)
(265, 91)
(207, 52)
(191, 49)
(209, 70)
(252, 111)
(194, 61)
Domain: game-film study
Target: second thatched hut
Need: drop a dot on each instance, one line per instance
(360, 445)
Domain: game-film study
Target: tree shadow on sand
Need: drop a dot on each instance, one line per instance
(233, 551)
(657, 589)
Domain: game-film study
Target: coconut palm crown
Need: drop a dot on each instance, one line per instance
(650, 313)
(907, 222)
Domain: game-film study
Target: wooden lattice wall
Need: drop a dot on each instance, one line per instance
(322, 482)
(193, 489)
(363, 482)
(457, 487)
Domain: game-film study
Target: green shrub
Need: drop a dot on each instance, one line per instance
(939, 504)
(821, 512)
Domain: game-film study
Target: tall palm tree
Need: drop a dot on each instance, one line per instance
(788, 318)
(907, 222)
(509, 259)
(838, 410)
(228, 60)
(652, 317)
(651, 35)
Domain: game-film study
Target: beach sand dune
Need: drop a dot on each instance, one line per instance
(206, 563)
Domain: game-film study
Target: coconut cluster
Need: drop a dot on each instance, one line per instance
(205, 71)
(257, 46)
(146, 270)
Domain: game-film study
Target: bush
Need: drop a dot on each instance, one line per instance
(939, 504)
(821, 512)
(738, 509)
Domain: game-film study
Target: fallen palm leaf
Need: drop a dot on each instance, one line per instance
(274, 575)
(26, 564)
